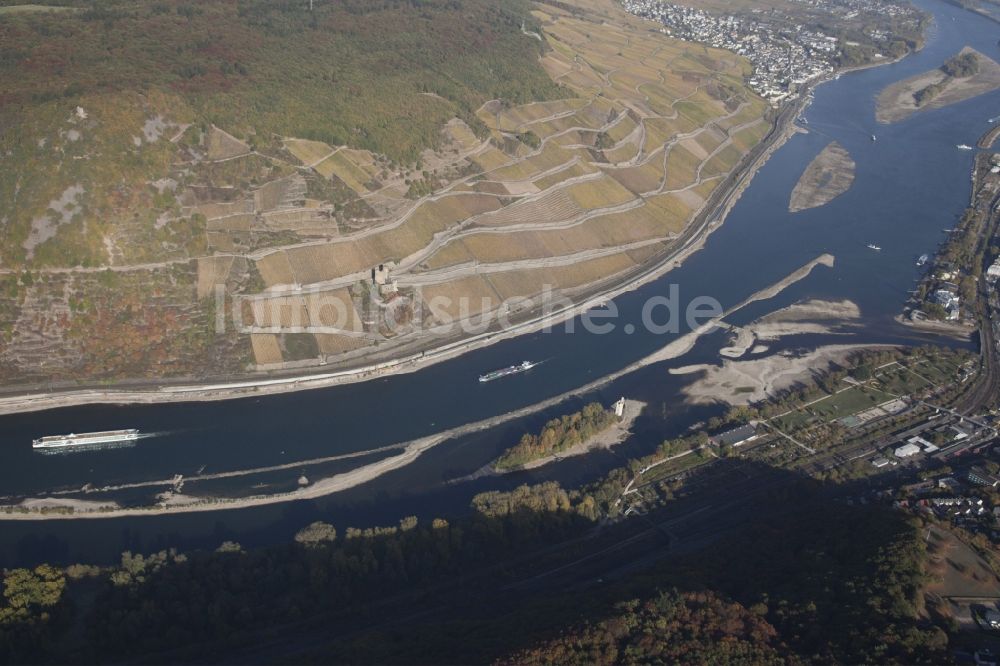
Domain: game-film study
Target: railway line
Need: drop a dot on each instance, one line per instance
(987, 383)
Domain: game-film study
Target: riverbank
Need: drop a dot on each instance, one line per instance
(944, 328)
(987, 140)
(692, 239)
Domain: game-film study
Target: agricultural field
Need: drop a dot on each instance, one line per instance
(310, 153)
(491, 169)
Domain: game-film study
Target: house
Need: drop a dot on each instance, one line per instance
(950, 286)
(949, 482)
(960, 433)
(981, 477)
(951, 433)
(381, 273)
(993, 272)
(619, 407)
(906, 450)
(945, 298)
(737, 436)
(880, 462)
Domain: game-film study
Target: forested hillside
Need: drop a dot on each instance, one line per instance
(347, 72)
(805, 579)
(125, 126)
(95, 99)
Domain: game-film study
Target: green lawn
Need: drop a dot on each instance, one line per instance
(845, 403)
(900, 380)
(938, 370)
(677, 466)
(793, 420)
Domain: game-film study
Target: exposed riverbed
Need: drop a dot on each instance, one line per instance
(826, 178)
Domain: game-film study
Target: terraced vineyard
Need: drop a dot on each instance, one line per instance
(571, 194)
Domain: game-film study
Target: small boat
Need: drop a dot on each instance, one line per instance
(922, 260)
(963, 146)
(873, 246)
(874, 138)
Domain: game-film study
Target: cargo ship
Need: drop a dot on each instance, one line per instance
(505, 372)
(86, 441)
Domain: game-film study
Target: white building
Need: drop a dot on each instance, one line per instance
(920, 441)
(907, 450)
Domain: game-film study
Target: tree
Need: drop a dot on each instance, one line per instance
(30, 591)
(558, 435)
(668, 628)
(961, 66)
(863, 372)
(229, 547)
(316, 533)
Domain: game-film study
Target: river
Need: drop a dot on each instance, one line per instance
(911, 184)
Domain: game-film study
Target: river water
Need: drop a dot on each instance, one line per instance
(911, 184)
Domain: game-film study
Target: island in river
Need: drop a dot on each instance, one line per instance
(826, 178)
(591, 428)
(944, 86)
